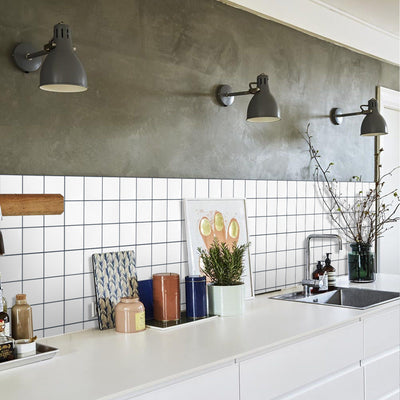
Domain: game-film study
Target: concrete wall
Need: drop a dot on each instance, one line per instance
(150, 111)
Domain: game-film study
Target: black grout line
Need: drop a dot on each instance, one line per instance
(310, 220)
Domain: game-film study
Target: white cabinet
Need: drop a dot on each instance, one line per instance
(293, 366)
(221, 384)
(382, 332)
(357, 361)
(382, 376)
(382, 355)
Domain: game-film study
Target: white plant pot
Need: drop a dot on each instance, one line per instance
(225, 300)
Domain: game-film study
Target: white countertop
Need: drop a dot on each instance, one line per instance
(95, 364)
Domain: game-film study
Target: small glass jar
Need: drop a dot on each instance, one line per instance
(129, 315)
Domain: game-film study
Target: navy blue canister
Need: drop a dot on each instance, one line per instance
(145, 289)
(196, 297)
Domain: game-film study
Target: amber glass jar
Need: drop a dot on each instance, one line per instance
(21, 318)
(129, 315)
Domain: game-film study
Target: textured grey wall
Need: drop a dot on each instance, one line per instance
(152, 68)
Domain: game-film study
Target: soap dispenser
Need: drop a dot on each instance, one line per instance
(331, 271)
(320, 274)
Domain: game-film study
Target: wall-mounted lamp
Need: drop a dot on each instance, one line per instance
(262, 107)
(61, 71)
(373, 124)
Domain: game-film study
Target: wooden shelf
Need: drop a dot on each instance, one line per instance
(31, 204)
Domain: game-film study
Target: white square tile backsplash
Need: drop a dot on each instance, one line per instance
(49, 257)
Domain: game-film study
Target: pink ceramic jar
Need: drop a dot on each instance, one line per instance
(129, 315)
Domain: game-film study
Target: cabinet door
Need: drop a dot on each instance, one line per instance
(382, 332)
(221, 384)
(293, 366)
(382, 376)
(347, 386)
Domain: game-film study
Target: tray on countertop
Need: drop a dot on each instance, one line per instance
(183, 321)
(43, 352)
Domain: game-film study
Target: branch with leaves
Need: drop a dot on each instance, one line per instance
(370, 215)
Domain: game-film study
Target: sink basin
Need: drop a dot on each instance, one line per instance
(344, 297)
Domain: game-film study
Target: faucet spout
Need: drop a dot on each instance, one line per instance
(307, 273)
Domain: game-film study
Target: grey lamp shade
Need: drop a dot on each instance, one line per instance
(61, 70)
(262, 106)
(373, 124)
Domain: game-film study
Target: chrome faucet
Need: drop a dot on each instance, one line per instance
(307, 282)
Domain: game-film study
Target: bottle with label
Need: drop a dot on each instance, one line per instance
(320, 274)
(4, 318)
(129, 315)
(3, 298)
(21, 316)
(331, 271)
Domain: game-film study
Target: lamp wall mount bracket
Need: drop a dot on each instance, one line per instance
(20, 57)
(223, 95)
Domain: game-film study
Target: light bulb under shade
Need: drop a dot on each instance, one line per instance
(374, 124)
(262, 106)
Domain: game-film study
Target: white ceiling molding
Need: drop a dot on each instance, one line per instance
(322, 20)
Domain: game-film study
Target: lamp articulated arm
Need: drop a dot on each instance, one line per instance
(337, 116)
(46, 50)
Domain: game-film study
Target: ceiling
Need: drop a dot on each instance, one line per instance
(369, 27)
(383, 14)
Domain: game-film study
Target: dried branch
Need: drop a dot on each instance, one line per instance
(365, 219)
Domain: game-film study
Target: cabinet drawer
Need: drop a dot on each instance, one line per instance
(221, 384)
(348, 386)
(382, 332)
(283, 370)
(382, 376)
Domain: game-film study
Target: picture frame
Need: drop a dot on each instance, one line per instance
(230, 210)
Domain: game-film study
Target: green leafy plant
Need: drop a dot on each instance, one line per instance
(223, 264)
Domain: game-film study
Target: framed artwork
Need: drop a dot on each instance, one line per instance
(225, 219)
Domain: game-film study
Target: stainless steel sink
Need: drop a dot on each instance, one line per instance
(344, 297)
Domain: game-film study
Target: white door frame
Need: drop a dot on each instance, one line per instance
(387, 98)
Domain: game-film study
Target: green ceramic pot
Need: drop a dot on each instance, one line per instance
(225, 301)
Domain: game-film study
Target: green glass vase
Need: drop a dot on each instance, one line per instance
(361, 263)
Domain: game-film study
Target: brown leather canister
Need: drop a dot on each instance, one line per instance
(166, 297)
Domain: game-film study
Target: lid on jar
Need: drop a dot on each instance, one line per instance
(170, 275)
(195, 278)
(129, 299)
(20, 297)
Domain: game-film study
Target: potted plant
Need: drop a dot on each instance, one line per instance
(223, 265)
(362, 219)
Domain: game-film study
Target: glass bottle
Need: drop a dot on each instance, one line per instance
(4, 318)
(21, 315)
(331, 271)
(2, 298)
